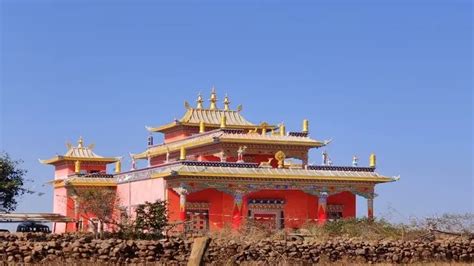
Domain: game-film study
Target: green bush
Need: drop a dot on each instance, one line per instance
(151, 219)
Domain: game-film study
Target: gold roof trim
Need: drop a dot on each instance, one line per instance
(222, 137)
(210, 117)
(85, 182)
(273, 173)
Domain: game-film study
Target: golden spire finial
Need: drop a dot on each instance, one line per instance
(80, 142)
(305, 126)
(213, 99)
(226, 103)
(372, 160)
(282, 129)
(199, 101)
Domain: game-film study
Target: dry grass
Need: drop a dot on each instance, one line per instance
(365, 229)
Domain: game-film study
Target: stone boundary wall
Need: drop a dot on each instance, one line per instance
(39, 248)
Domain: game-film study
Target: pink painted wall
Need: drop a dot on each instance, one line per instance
(60, 206)
(180, 133)
(64, 169)
(134, 193)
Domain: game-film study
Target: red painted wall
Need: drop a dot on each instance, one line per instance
(348, 200)
(299, 207)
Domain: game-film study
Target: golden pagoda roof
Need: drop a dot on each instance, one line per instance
(275, 173)
(224, 136)
(80, 153)
(235, 170)
(211, 116)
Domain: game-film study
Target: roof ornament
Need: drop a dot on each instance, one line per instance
(186, 105)
(326, 142)
(282, 129)
(199, 101)
(68, 145)
(355, 161)
(226, 103)
(240, 154)
(280, 157)
(134, 163)
(372, 160)
(325, 158)
(80, 142)
(239, 108)
(305, 126)
(213, 99)
(150, 140)
(264, 126)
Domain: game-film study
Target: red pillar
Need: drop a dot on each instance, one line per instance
(237, 213)
(322, 208)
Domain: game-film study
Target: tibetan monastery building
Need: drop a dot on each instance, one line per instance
(214, 169)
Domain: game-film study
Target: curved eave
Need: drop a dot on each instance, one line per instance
(58, 159)
(163, 127)
(312, 144)
(276, 177)
(163, 149)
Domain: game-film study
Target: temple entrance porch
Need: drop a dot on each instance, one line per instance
(222, 205)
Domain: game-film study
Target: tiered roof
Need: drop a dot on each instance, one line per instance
(211, 116)
(80, 153)
(237, 129)
(228, 136)
(252, 171)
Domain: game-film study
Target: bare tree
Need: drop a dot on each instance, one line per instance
(96, 203)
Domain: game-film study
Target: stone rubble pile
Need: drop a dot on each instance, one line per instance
(342, 250)
(31, 248)
(41, 248)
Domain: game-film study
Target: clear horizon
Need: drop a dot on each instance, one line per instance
(393, 78)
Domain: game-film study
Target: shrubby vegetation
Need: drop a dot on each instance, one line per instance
(151, 219)
(150, 222)
(11, 182)
(453, 225)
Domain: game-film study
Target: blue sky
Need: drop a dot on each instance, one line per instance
(390, 77)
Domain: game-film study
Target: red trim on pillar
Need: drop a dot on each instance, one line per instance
(237, 212)
(322, 214)
(322, 208)
(370, 208)
(182, 207)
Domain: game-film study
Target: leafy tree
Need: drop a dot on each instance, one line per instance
(151, 219)
(11, 182)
